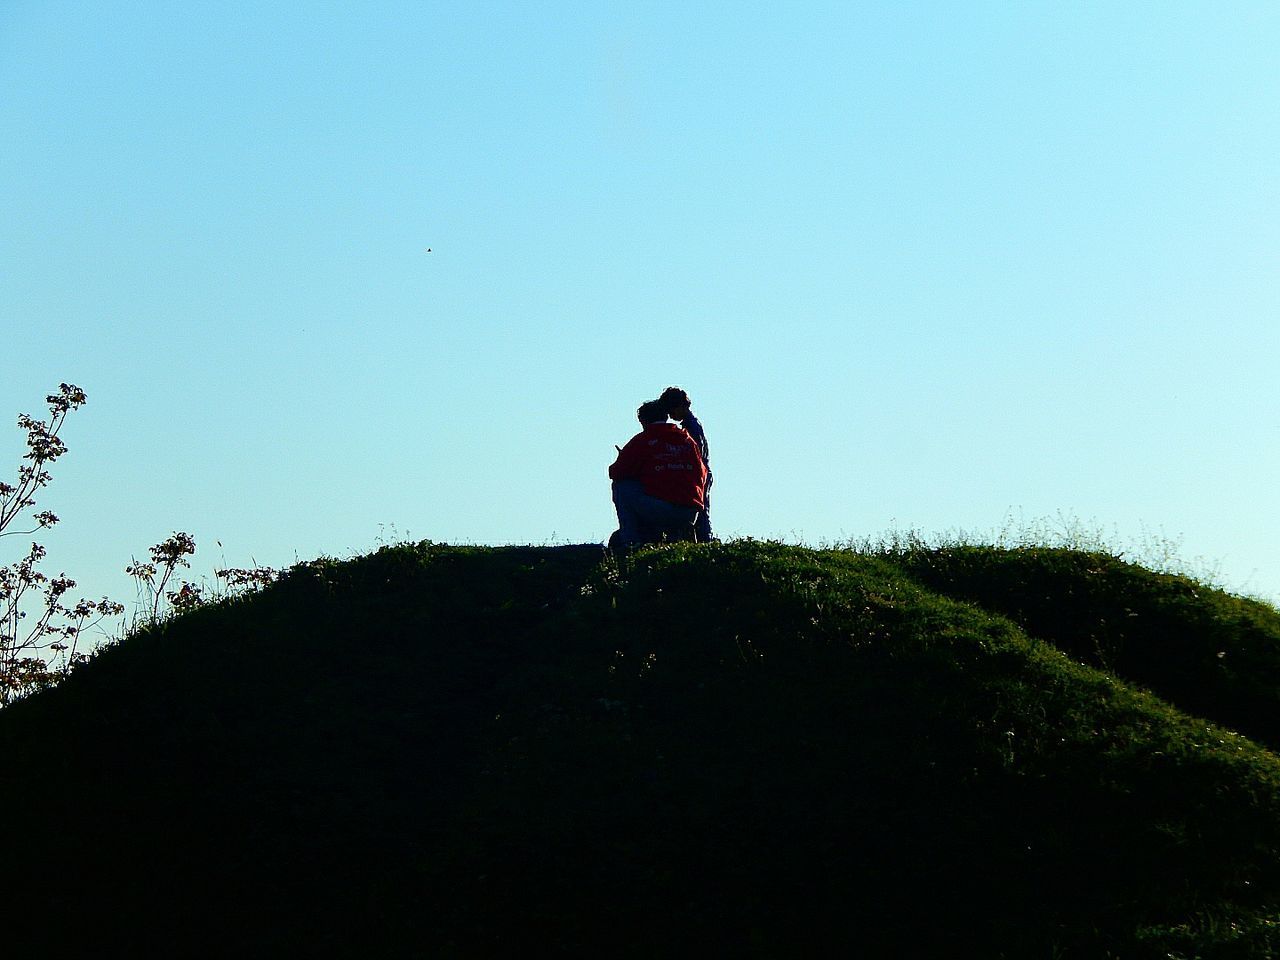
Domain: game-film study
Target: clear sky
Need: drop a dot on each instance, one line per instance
(919, 264)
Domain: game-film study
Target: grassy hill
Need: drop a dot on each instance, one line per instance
(744, 748)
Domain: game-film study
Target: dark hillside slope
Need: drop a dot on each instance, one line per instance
(746, 748)
(1207, 652)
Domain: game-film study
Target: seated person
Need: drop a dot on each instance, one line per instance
(658, 482)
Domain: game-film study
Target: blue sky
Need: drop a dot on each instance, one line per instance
(923, 265)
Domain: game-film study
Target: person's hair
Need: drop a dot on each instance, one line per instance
(673, 398)
(651, 411)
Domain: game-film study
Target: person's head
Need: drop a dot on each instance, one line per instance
(651, 411)
(675, 402)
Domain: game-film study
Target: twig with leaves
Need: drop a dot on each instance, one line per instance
(166, 557)
(37, 653)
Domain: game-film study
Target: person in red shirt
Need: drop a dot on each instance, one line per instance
(659, 481)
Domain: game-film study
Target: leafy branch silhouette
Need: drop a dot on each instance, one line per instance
(37, 651)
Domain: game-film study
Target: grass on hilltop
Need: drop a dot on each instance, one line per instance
(749, 748)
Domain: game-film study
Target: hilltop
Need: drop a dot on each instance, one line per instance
(745, 748)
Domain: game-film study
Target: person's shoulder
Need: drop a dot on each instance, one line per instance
(684, 434)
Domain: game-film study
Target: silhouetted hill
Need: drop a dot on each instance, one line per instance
(743, 748)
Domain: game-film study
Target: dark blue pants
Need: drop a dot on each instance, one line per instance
(646, 519)
(703, 524)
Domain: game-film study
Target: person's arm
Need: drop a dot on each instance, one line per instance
(628, 464)
(693, 427)
(703, 470)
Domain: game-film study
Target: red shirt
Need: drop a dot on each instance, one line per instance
(666, 460)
